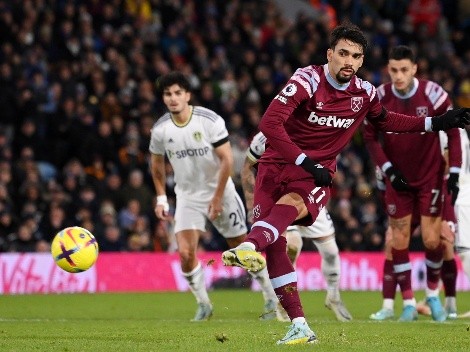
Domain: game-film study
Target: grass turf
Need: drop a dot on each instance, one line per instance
(160, 322)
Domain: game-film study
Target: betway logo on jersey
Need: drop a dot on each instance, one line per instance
(330, 121)
(180, 154)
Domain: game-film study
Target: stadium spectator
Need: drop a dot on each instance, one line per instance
(135, 188)
(113, 241)
(54, 221)
(22, 240)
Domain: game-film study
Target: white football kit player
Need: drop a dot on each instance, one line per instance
(190, 150)
(462, 204)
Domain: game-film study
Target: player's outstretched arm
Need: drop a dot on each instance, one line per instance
(451, 119)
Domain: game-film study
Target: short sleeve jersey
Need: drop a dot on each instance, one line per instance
(191, 151)
(417, 155)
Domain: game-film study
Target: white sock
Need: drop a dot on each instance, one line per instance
(197, 284)
(330, 265)
(299, 320)
(262, 278)
(294, 245)
(247, 245)
(451, 303)
(388, 303)
(432, 293)
(409, 302)
(465, 259)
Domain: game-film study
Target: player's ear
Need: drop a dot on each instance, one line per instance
(329, 54)
(414, 69)
(362, 61)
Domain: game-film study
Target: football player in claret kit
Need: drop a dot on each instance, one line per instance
(449, 265)
(414, 166)
(321, 232)
(195, 141)
(307, 125)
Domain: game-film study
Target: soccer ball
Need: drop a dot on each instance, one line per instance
(74, 249)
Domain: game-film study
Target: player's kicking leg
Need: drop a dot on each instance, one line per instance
(262, 278)
(267, 235)
(245, 257)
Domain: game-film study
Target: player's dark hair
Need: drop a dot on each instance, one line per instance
(170, 79)
(350, 32)
(401, 52)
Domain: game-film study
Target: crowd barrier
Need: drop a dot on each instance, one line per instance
(33, 273)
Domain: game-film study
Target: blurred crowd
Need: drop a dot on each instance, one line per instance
(78, 100)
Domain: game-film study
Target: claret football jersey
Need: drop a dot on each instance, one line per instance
(315, 115)
(416, 155)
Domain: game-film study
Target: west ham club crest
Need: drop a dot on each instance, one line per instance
(356, 103)
(422, 111)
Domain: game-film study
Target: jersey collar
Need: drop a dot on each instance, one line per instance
(410, 93)
(191, 109)
(332, 81)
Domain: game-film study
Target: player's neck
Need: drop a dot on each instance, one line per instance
(405, 91)
(183, 117)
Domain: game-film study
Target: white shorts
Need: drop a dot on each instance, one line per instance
(323, 226)
(193, 214)
(462, 236)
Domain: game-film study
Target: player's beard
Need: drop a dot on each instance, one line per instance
(176, 109)
(344, 79)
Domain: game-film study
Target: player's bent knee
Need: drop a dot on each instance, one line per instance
(431, 243)
(187, 256)
(328, 249)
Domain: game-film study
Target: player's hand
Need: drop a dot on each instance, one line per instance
(451, 119)
(398, 181)
(215, 208)
(320, 174)
(162, 208)
(453, 186)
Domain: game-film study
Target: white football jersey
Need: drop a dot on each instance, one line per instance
(190, 148)
(464, 176)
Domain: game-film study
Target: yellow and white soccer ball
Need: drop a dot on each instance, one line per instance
(74, 249)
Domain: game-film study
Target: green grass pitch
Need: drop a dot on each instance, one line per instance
(160, 322)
